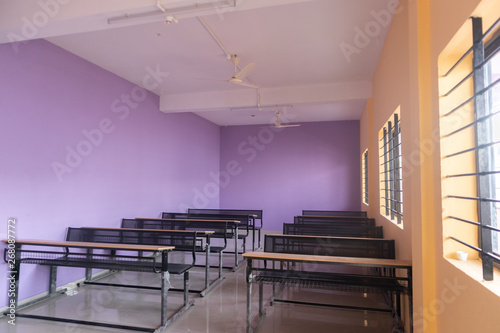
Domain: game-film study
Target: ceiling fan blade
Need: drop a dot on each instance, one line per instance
(206, 79)
(247, 85)
(245, 71)
(285, 126)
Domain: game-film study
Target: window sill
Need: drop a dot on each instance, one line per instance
(393, 221)
(473, 268)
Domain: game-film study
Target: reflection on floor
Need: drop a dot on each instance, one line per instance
(222, 310)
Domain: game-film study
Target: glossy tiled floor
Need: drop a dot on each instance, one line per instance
(222, 310)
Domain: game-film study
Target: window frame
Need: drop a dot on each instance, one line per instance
(391, 176)
(483, 145)
(364, 175)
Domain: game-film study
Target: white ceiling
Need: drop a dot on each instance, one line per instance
(295, 44)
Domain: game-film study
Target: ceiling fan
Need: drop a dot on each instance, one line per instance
(279, 124)
(238, 77)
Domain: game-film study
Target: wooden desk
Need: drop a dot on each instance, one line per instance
(52, 258)
(330, 260)
(199, 233)
(254, 214)
(86, 245)
(232, 223)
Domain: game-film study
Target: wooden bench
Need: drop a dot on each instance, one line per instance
(184, 241)
(335, 220)
(83, 255)
(332, 230)
(334, 213)
(257, 271)
(223, 229)
(253, 214)
(339, 247)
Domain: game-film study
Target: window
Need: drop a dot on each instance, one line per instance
(391, 182)
(470, 148)
(364, 170)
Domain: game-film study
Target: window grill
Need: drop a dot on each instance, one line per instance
(476, 113)
(365, 177)
(391, 182)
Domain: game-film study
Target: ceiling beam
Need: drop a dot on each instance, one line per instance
(240, 98)
(32, 19)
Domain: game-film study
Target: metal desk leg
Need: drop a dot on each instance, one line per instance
(259, 237)
(235, 246)
(249, 295)
(53, 280)
(88, 271)
(253, 234)
(165, 282)
(207, 264)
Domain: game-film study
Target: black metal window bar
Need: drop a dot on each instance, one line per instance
(391, 171)
(365, 177)
(484, 103)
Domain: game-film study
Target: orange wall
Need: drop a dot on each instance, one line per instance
(446, 300)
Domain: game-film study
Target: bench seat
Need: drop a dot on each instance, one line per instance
(344, 282)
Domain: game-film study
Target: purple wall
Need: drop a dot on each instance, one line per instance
(315, 166)
(58, 170)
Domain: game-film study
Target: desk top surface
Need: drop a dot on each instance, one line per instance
(353, 261)
(187, 220)
(114, 246)
(199, 232)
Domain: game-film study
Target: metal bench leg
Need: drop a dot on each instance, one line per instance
(186, 288)
(220, 264)
(261, 297)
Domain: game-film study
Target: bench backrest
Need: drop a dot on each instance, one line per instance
(335, 220)
(331, 246)
(169, 215)
(245, 220)
(256, 212)
(181, 241)
(221, 229)
(329, 230)
(334, 213)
